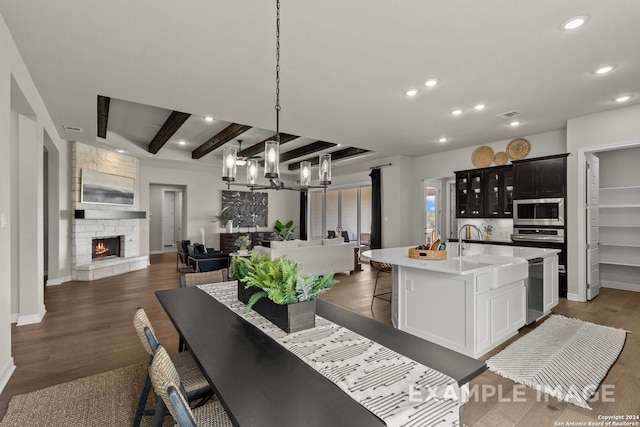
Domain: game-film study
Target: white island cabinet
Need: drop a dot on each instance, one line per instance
(469, 304)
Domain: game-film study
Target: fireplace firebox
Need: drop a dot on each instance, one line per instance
(105, 248)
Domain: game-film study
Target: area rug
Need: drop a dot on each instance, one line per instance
(565, 358)
(106, 399)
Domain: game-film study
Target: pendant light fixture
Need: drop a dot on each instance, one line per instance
(230, 159)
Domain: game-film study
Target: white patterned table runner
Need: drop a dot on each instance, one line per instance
(398, 390)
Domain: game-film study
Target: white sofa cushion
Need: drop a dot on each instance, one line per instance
(336, 241)
(286, 244)
(307, 243)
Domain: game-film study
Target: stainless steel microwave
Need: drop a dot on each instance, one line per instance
(538, 212)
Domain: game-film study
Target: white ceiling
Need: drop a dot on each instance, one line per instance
(345, 67)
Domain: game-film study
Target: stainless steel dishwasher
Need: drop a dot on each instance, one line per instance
(534, 284)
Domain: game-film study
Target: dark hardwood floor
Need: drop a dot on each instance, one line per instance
(88, 329)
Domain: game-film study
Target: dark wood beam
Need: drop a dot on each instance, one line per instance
(314, 147)
(103, 115)
(218, 140)
(259, 147)
(170, 126)
(336, 155)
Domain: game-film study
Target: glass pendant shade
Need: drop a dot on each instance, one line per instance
(252, 171)
(324, 169)
(271, 159)
(305, 174)
(229, 163)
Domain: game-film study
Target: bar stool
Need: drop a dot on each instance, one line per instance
(382, 267)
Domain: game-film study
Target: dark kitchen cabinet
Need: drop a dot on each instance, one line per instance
(540, 178)
(470, 190)
(498, 192)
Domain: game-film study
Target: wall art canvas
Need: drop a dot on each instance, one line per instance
(104, 188)
(247, 208)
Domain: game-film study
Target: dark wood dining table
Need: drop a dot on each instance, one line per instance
(260, 383)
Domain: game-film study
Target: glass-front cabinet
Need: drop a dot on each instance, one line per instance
(485, 193)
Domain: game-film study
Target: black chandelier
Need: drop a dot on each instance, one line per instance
(272, 151)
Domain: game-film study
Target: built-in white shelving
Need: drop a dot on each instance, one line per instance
(620, 238)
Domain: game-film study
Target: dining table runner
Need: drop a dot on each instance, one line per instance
(398, 390)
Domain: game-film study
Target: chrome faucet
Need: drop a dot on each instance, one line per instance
(461, 245)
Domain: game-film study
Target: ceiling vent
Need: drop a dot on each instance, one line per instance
(510, 114)
(72, 128)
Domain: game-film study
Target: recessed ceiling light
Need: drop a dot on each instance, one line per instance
(120, 151)
(623, 98)
(514, 123)
(575, 22)
(411, 92)
(339, 145)
(480, 107)
(431, 82)
(604, 70)
(182, 142)
(442, 140)
(209, 118)
(456, 112)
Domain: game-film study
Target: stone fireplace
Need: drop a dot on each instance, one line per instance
(106, 248)
(104, 238)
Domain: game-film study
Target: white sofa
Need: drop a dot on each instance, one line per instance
(317, 257)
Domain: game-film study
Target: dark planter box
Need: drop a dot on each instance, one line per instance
(245, 294)
(289, 318)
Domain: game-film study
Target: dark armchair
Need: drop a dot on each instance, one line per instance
(205, 259)
(183, 265)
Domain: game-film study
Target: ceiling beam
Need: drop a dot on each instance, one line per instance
(103, 115)
(170, 126)
(336, 155)
(307, 149)
(259, 147)
(218, 140)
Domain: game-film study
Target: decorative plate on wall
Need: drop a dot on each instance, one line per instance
(518, 148)
(500, 158)
(482, 156)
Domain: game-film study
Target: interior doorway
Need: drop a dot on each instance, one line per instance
(432, 210)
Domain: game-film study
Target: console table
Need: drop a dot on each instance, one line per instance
(228, 240)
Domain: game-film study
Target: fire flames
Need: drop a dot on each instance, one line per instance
(101, 249)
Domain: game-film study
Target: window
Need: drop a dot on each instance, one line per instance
(348, 210)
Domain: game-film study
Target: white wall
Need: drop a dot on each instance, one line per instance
(14, 74)
(615, 128)
(619, 168)
(202, 198)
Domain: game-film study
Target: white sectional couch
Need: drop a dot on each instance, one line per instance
(317, 257)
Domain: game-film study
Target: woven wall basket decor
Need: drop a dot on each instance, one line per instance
(482, 156)
(518, 148)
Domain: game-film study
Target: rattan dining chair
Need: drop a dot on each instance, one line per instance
(382, 267)
(195, 384)
(166, 384)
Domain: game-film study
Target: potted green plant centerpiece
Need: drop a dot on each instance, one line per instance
(243, 242)
(279, 291)
(283, 231)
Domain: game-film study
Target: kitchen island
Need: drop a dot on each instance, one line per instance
(469, 304)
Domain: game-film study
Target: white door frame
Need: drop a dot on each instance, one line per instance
(581, 202)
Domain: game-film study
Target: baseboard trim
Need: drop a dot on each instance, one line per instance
(156, 252)
(14, 317)
(574, 297)
(620, 286)
(6, 373)
(30, 319)
(59, 281)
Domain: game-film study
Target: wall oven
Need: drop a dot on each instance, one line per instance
(538, 212)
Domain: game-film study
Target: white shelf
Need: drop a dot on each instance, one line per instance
(624, 245)
(619, 263)
(620, 238)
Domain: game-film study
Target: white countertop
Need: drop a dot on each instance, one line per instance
(454, 265)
